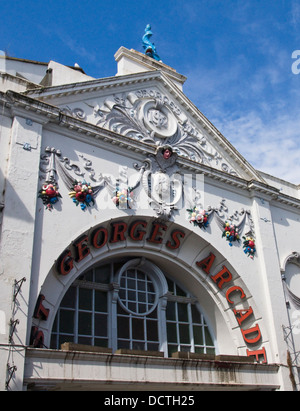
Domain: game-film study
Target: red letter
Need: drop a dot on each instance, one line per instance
(244, 314)
(96, 241)
(36, 338)
(207, 263)
(40, 311)
(82, 249)
(257, 353)
(140, 234)
(250, 331)
(156, 233)
(176, 242)
(231, 290)
(118, 232)
(65, 263)
(222, 279)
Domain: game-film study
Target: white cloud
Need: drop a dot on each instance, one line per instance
(257, 111)
(272, 147)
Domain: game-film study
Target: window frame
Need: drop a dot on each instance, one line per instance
(167, 291)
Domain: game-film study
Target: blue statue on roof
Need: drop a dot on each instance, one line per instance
(148, 46)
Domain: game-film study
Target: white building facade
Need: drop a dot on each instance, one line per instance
(139, 250)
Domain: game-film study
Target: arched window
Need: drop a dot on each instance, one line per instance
(131, 304)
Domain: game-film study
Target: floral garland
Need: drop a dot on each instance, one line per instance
(49, 194)
(198, 217)
(123, 197)
(249, 246)
(82, 194)
(230, 233)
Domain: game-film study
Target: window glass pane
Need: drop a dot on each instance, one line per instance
(85, 299)
(170, 285)
(66, 323)
(185, 348)
(132, 307)
(171, 315)
(53, 342)
(123, 344)
(84, 340)
(196, 315)
(121, 311)
(172, 332)
(101, 342)
(152, 331)
(142, 308)
(69, 299)
(131, 284)
(87, 276)
(151, 298)
(141, 285)
(63, 339)
(84, 323)
(142, 297)
(180, 292)
(102, 274)
(152, 347)
(138, 345)
(153, 314)
(100, 301)
(172, 349)
(184, 333)
(198, 337)
(131, 296)
(101, 325)
(182, 312)
(130, 273)
(123, 327)
(208, 339)
(137, 329)
(150, 287)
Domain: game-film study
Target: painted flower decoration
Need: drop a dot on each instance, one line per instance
(123, 197)
(82, 194)
(198, 217)
(230, 233)
(49, 194)
(249, 246)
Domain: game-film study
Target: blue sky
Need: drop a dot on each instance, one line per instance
(237, 55)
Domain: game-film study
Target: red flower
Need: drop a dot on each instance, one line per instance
(51, 192)
(80, 197)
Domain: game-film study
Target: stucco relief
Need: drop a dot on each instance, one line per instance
(153, 118)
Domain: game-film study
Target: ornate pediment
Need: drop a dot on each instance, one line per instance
(148, 107)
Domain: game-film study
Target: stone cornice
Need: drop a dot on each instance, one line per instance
(92, 85)
(78, 129)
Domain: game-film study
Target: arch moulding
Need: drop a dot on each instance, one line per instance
(225, 301)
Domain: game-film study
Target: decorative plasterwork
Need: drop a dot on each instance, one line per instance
(293, 258)
(60, 122)
(152, 117)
